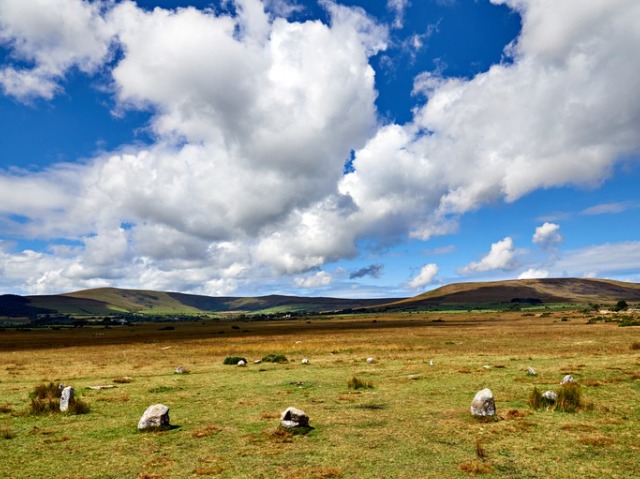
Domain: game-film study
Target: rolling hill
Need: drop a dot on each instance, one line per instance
(113, 301)
(526, 291)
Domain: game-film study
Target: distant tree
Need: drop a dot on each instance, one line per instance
(621, 306)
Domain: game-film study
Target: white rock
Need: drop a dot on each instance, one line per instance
(371, 360)
(257, 361)
(293, 417)
(567, 379)
(550, 396)
(483, 403)
(181, 370)
(154, 416)
(242, 363)
(431, 363)
(66, 398)
(531, 371)
(305, 361)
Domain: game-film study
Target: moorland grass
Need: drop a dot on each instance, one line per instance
(414, 423)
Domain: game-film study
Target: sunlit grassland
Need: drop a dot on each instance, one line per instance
(413, 423)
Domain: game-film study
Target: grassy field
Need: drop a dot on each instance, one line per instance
(413, 423)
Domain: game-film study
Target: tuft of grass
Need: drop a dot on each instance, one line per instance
(45, 399)
(474, 467)
(480, 452)
(596, 440)
(78, 406)
(6, 408)
(315, 473)
(282, 435)
(275, 358)
(149, 475)
(233, 360)
(569, 398)
(206, 431)
(6, 432)
(208, 471)
(355, 383)
(635, 346)
(122, 380)
(161, 389)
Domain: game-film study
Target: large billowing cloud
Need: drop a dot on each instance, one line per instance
(52, 36)
(502, 256)
(254, 117)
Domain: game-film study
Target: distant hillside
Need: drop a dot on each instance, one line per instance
(523, 291)
(111, 301)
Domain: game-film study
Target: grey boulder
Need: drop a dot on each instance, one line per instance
(483, 403)
(293, 417)
(154, 417)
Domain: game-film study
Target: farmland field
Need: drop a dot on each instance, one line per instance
(414, 421)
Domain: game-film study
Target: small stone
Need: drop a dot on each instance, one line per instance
(66, 398)
(483, 403)
(531, 371)
(486, 366)
(181, 370)
(102, 386)
(242, 363)
(293, 417)
(567, 379)
(305, 361)
(257, 361)
(154, 417)
(371, 360)
(550, 396)
(431, 363)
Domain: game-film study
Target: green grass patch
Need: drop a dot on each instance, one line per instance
(275, 358)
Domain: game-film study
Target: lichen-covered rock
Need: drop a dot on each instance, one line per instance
(293, 417)
(371, 360)
(483, 403)
(154, 417)
(181, 370)
(550, 396)
(531, 371)
(66, 398)
(242, 363)
(305, 361)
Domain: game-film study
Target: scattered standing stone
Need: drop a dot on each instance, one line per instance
(371, 360)
(305, 361)
(181, 370)
(242, 363)
(154, 417)
(550, 396)
(486, 366)
(483, 403)
(531, 371)
(431, 363)
(104, 386)
(293, 417)
(567, 379)
(66, 398)
(257, 361)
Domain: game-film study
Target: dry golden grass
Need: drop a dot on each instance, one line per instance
(414, 423)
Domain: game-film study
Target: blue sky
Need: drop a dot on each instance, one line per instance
(352, 149)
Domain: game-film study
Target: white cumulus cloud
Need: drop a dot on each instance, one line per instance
(502, 256)
(547, 235)
(426, 276)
